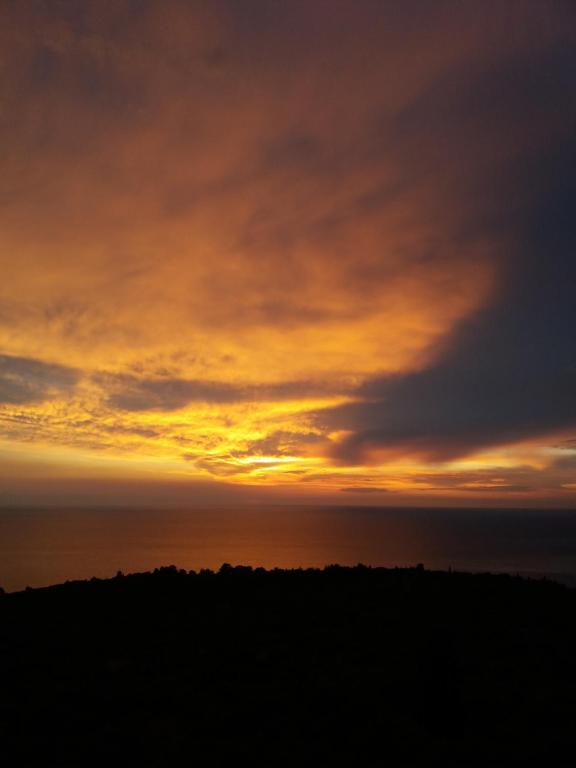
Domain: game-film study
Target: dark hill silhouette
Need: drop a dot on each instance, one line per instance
(342, 666)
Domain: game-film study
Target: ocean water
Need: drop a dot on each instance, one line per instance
(42, 547)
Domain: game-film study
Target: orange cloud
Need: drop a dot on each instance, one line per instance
(221, 222)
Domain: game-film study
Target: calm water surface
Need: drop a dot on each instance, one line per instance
(41, 547)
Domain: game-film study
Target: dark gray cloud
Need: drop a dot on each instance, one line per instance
(135, 394)
(567, 445)
(567, 463)
(26, 380)
(130, 393)
(509, 372)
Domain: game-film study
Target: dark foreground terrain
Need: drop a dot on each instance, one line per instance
(345, 666)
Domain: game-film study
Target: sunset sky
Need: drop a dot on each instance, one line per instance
(288, 250)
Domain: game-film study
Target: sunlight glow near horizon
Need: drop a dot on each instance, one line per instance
(229, 233)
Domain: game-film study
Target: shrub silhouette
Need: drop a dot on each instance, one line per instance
(342, 666)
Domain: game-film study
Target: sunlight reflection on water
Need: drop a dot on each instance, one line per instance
(41, 547)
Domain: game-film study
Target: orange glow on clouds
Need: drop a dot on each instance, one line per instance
(220, 240)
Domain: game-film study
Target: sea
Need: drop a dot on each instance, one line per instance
(40, 547)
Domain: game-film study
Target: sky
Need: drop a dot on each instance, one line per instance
(288, 250)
